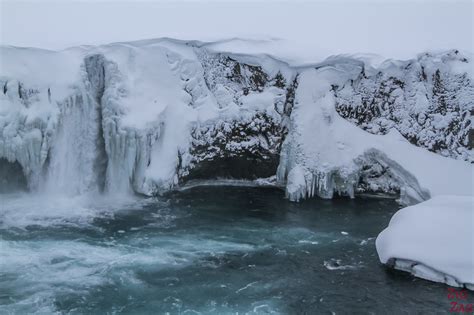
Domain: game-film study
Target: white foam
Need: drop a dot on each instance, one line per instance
(21, 210)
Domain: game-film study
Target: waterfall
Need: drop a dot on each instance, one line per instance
(77, 159)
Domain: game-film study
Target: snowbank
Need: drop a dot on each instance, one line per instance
(433, 240)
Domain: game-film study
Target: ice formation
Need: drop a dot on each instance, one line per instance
(433, 240)
(144, 117)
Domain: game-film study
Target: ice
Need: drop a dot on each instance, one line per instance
(335, 264)
(261, 182)
(296, 183)
(420, 240)
(79, 120)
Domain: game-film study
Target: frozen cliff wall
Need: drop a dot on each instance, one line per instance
(146, 116)
(254, 101)
(429, 100)
(326, 154)
(33, 83)
(126, 118)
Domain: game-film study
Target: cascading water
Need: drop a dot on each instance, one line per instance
(77, 158)
(96, 77)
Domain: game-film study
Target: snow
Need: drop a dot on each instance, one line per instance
(433, 240)
(264, 100)
(28, 65)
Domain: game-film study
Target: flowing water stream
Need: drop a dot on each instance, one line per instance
(205, 250)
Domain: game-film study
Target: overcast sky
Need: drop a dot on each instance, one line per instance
(395, 29)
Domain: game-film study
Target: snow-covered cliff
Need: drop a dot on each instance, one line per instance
(147, 116)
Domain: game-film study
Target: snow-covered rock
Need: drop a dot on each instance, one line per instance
(433, 240)
(146, 116)
(337, 156)
(429, 100)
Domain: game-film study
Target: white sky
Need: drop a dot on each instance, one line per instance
(395, 29)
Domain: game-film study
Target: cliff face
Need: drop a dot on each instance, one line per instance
(425, 99)
(145, 117)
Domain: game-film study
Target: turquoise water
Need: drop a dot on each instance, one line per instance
(206, 250)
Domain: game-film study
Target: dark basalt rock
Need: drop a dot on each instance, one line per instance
(247, 149)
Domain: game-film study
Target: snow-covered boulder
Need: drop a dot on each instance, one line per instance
(433, 240)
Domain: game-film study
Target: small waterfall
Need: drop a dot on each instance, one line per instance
(96, 75)
(77, 160)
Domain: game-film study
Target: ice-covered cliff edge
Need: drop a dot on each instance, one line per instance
(143, 117)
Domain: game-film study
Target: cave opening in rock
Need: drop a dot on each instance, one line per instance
(12, 177)
(236, 167)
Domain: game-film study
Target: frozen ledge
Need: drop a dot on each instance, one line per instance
(371, 172)
(260, 182)
(433, 240)
(425, 272)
